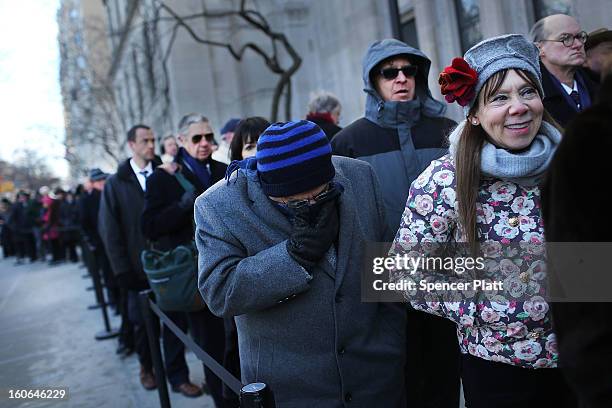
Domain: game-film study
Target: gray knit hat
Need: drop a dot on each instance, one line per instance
(499, 53)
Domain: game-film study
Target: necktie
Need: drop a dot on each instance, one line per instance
(576, 99)
(145, 174)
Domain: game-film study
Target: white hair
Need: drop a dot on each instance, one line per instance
(189, 120)
(322, 101)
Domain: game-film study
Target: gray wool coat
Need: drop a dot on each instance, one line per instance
(311, 340)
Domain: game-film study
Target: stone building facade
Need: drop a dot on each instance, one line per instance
(84, 57)
(156, 84)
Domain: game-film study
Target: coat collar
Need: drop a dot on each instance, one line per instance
(217, 170)
(348, 223)
(125, 172)
(264, 209)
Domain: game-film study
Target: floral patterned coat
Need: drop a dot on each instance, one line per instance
(489, 326)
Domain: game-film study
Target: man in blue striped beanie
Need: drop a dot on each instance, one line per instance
(282, 245)
(295, 170)
(292, 158)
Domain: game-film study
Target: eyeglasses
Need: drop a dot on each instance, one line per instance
(322, 196)
(568, 39)
(210, 137)
(392, 73)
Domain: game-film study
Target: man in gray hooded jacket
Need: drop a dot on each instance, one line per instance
(402, 132)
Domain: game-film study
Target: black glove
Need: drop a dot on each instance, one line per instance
(315, 229)
(187, 200)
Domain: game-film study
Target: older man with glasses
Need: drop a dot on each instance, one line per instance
(567, 89)
(167, 221)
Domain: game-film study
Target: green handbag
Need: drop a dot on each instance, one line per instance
(173, 275)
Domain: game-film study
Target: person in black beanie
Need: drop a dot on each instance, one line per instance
(281, 246)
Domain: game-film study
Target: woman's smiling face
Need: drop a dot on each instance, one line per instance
(512, 115)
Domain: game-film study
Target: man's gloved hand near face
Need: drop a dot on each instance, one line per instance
(315, 229)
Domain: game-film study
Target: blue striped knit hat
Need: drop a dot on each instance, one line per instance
(292, 158)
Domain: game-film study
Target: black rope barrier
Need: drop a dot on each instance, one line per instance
(254, 395)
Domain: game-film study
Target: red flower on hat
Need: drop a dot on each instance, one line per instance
(457, 82)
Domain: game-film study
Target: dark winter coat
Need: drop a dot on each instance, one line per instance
(69, 220)
(89, 207)
(163, 220)
(557, 102)
(584, 330)
(329, 128)
(119, 222)
(19, 221)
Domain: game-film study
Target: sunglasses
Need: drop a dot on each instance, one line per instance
(392, 73)
(210, 137)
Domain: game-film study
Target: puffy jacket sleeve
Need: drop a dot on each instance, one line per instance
(380, 207)
(231, 281)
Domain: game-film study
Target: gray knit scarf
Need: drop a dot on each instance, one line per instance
(526, 167)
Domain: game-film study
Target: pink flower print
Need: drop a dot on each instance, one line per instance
(502, 191)
(527, 350)
(551, 344)
(522, 205)
(517, 330)
(424, 204)
(492, 344)
(489, 315)
(444, 178)
(536, 307)
(439, 225)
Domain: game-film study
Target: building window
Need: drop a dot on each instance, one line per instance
(408, 31)
(468, 19)
(543, 8)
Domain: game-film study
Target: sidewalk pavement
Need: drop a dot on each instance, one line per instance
(48, 341)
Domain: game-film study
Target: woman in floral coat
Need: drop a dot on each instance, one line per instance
(485, 193)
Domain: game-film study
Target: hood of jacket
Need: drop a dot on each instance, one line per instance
(387, 113)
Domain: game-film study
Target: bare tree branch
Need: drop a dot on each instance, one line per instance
(257, 21)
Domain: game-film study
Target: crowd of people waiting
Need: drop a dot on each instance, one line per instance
(43, 226)
(281, 231)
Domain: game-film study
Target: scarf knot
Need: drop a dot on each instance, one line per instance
(197, 167)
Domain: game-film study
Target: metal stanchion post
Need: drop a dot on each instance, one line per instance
(158, 366)
(87, 255)
(108, 333)
(95, 278)
(256, 395)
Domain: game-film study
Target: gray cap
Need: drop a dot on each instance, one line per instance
(499, 53)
